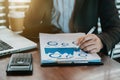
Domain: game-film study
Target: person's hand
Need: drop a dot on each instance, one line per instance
(90, 43)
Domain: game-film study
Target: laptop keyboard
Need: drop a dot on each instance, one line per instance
(4, 46)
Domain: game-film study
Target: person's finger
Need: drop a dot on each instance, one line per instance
(93, 51)
(87, 38)
(79, 40)
(87, 43)
(89, 48)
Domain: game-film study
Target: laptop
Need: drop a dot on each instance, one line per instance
(11, 42)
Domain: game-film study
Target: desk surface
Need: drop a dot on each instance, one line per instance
(109, 71)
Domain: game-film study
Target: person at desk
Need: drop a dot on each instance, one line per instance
(77, 16)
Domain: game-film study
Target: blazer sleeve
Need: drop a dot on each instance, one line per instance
(110, 23)
(38, 13)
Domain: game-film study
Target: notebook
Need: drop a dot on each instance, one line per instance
(60, 49)
(11, 42)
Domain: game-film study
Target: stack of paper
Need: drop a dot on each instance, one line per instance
(62, 49)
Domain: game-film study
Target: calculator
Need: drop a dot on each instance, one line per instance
(20, 63)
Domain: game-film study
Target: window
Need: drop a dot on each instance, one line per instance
(18, 5)
(116, 50)
(118, 6)
(11, 5)
(3, 11)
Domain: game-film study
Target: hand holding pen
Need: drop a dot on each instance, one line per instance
(90, 42)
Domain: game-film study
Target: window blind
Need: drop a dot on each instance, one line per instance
(11, 5)
(3, 11)
(116, 50)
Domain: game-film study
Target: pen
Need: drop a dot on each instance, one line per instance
(92, 30)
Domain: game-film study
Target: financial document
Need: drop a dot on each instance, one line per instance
(62, 48)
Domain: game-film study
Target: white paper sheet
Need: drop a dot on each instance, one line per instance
(61, 48)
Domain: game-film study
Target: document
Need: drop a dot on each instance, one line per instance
(62, 49)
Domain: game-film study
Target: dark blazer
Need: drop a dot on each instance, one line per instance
(85, 16)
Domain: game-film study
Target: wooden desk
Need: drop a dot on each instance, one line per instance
(109, 71)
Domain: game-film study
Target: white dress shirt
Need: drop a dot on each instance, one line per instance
(61, 13)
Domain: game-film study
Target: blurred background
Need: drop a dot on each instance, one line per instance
(23, 5)
(11, 5)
